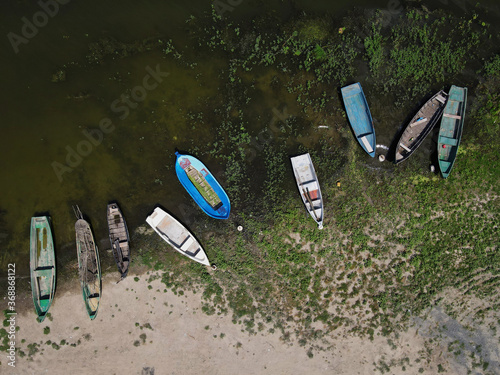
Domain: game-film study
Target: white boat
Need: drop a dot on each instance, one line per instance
(177, 236)
(308, 185)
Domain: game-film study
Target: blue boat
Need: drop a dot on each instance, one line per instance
(360, 117)
(202, 186)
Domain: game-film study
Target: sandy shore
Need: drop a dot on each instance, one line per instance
(141, 329)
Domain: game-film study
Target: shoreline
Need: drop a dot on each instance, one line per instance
(140, 327)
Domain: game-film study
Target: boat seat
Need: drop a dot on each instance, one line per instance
(419, 121)
(44, 272)
(406, 148)
(310, 186)
(448, 141)
(441, 99)
(444, 164)
(193, 254)
(368, 146)
(452, 116)
(187, 243)
(316, 204)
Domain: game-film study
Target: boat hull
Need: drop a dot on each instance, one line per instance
(212, 199)
(420, 126)
(89, 267)
(308, 185)
(359, 117)
(177, 236)
(42, 265)
(119, 238)
(450, 130)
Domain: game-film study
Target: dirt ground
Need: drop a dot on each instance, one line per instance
(143, 329)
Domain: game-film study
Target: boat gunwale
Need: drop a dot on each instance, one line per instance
(45, 222)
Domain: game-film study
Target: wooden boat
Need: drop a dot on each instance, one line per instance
(420, 126)
(119, 238)
(177, 236)
(42, 265)
(202, 186)
(89, 265)
(359, 117)
(308, 186)
(450, 130)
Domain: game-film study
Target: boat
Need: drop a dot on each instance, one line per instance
(359, 117)
(89, 266)
(202, 186)
(308, 185)
(119, 238)
(42, 265)
(450, 130)
(176, 235)
(420, 126)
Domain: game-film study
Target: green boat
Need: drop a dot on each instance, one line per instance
(89, 266)
(42, 265)
(450, 131)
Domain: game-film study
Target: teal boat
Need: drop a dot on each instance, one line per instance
(42, 265)
(89, 266)
(359, 117)
(450, 130)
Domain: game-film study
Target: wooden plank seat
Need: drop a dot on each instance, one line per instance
(186, 243)
(367, 144)
(310, 186)
(419, 121)
(448, 141)
(406, 148)
(452, 116)
(441, 99)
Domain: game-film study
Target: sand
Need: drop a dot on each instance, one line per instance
(178, 338)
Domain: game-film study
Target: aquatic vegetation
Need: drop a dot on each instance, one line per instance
(492, 66)
(420, 51)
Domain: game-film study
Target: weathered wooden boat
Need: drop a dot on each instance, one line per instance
(89, 266)
(308, 185)
(420, 126)
(450, 130)
(119, 238)
(176, 235)
(359, 117)
(202, 186)
(42, 265)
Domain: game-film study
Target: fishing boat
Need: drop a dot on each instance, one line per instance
(359, 117)
(420, 126)
(176, 235)
(202, 186)
(89, 266)
(42, 265)
(308, 185)
(450, 130)
(119, 238)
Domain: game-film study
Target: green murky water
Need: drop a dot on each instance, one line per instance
(133, 164)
